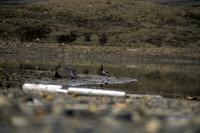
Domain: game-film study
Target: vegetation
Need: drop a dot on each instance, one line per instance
(130, 23)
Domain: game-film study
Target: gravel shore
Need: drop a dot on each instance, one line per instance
(51, 112)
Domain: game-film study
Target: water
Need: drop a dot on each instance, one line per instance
(164, 79)
(153, 78)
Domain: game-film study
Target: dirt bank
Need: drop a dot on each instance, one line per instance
(109, 23)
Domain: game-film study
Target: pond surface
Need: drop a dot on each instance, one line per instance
(164, 79)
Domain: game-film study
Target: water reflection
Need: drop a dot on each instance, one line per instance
(162, 79)
(165, 79)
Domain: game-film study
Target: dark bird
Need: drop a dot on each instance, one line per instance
(102, 72)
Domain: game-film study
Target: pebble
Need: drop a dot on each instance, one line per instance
(153, 126)
(83, 113)
(40, 113)
(4, 101)
(33, 101)
(48, 97)
(120, 112)
(120, 106)
(124, 116)
(29, 99)
(18, 121)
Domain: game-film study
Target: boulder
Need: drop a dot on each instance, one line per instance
(68, 72)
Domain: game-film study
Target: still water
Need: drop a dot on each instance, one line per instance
(165, 79)
(153, 78)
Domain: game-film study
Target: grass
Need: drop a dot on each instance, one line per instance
(129, 23)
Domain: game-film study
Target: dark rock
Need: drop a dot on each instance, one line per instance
(83, 102)
(66, 72)
(29, 99)
(124, 116)
(69, 112)
(192, 98)
(84, 113)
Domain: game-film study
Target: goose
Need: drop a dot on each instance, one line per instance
(102, 72)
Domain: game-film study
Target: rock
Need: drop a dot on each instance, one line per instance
(48, 97)
(153, 126)
(32, 101)
(58, 105)
(120, 106)
(4, 101)
(41, 112)
(83, 113)
(29, 99)
(191, 98)
(18, 121)
(68, 72)
(124, 116)
(120, 112)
